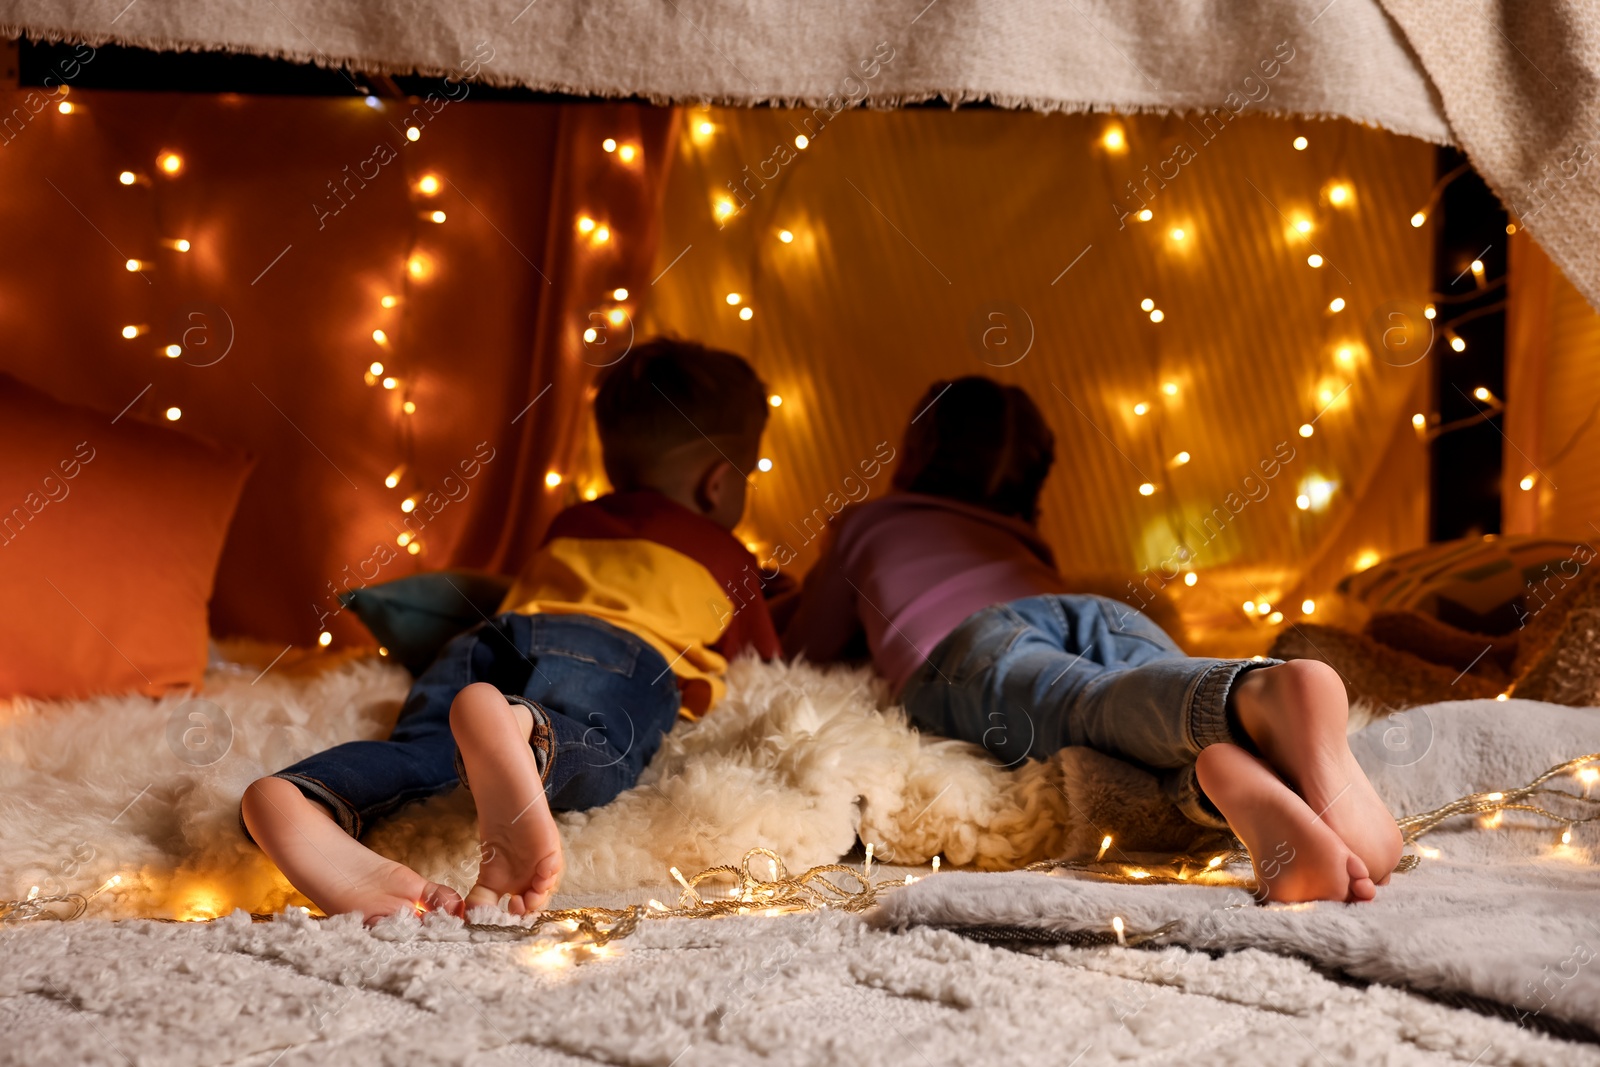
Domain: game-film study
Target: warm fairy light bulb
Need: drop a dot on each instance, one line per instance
(1367, 560)
(1511, 227)
(1275, 618)
(1300, 144)
(436, 216)
(1216, 861)
(390, 383)
(394, 476)
(733, 298)
(173, 351)
(389, 301)
(609, 144)
(380, 337)
(1147, 304)
(764, 464)
(408, 505)
(418, 266)
(1114, 139)
(1482, 394)
(1157, 315)
(746, 314)
(626, 153)
(130, 332)
(1326, 396)
(169, 162)
(412, 133)
(591, 493)
(1419, 420)
(66, 107)
(1477, 266)
(1170, 388)
(1177, 233)
(775, 400)
(619, 294)
(1307, 607)
(936, 865)
(1105, 846)
(1146, 489)
(414, 547)
(586, 224)
(1419, 218)
(1526, 483)
(1336, 305)
(427, 185)
(1263, 607)
(1566, 836)
(801, 141)
(174, 414)
(1118, 926)
(409, 407)
(375, 369)
(1140, 408)
(324, 639)
(127, 177)
(1338, 194)
(1180, 459)
(786, 236)
(1146, 215)
(1458, 344)
(552, 479)
(1190, 578)
(134, 265)
(1302, 502)
(705, 129)
(616, 316)
(1304, 225)
(602, 235)
(404, 539)
(1345, 355)
(589, 335)
(178, 244)
(723, 207)
(1314, 260)
(1249, 607)
(1589, 776)
(1318, 492)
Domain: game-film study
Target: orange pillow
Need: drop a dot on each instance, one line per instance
(110, 530)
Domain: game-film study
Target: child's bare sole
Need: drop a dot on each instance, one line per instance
(1297, 714)
(335, 871)
(521, 846)
(1296, 855)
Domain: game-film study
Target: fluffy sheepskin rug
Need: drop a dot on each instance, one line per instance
(800, 760)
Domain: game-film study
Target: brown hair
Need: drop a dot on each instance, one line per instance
(666, 393)
(975, 440)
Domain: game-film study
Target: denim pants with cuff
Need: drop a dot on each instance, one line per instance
(1033, 676)
(601, 697)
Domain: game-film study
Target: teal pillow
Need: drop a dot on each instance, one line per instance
(414, 617)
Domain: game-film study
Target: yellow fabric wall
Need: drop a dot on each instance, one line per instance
(933, 244)
(1552, 401)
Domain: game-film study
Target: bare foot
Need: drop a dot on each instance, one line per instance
(1296, 855)
(338, 873)
(521, 845)
(1297, 714)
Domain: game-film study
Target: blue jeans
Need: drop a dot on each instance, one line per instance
(1033, 676)
(604, 697)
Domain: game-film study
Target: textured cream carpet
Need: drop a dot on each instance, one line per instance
(807, 990)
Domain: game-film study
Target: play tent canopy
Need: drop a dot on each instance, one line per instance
(373, 358)
(1513, 84)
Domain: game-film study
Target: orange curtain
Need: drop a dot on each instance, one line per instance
(310, 224)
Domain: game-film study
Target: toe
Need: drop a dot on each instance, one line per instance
(481, 896)
(1362, 889)
(436, 897)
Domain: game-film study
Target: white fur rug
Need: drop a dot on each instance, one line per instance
(1506, 915)
(798, 760)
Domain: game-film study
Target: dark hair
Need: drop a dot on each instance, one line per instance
(975, 440)
(668, 392)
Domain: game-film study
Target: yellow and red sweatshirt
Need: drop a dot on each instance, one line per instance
(648, 564)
